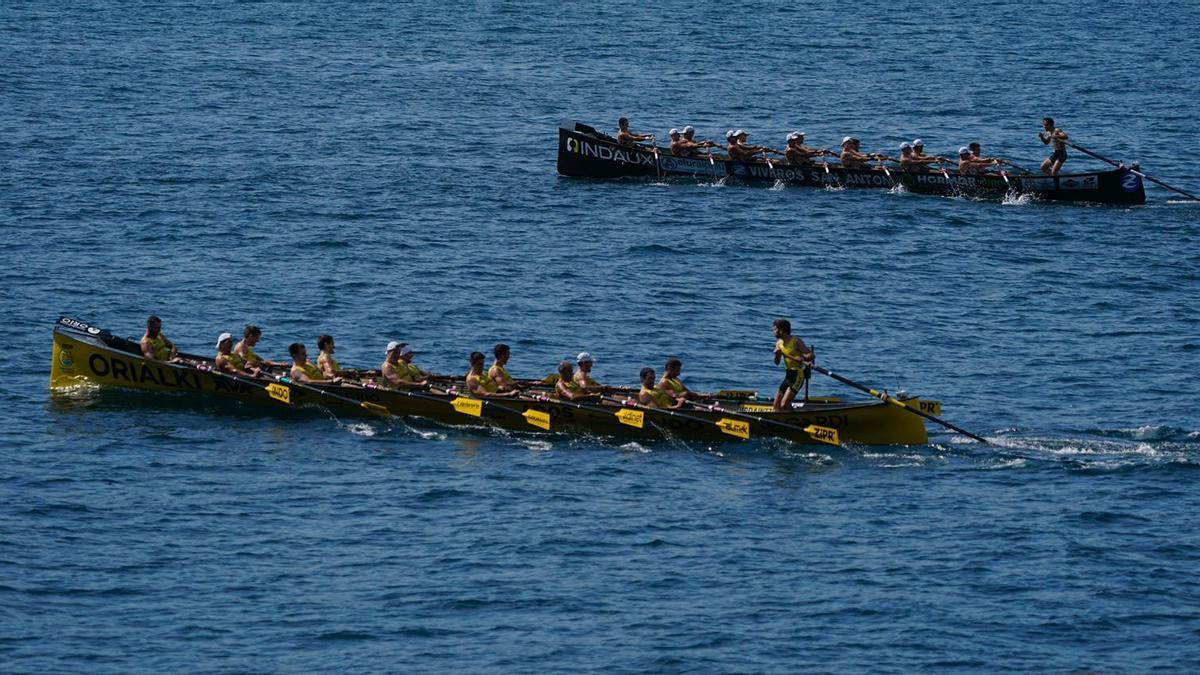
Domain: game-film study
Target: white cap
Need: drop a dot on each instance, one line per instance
(964, 150)
(729, 134)
(740, 132)
(391, 345)
(918, 143)
(847, 139)
(905, 146)
(673, 132)
(794, 135)
(223, 337)
(689, 129)
(406, 350)
(585, 356)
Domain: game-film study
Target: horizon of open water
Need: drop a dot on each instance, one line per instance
(386, 171)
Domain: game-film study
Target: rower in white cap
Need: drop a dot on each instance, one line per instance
(913, 163)
(225, 364)
(742, 151)
(968, 165)
(800, 154)
(397, 369)
(689, 146)
(583, 377)
(851, 157)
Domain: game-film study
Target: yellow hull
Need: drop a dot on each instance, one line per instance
(85, 355)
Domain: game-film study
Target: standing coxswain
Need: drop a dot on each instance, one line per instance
(1052, 134)
(794, 354)
(155, 345)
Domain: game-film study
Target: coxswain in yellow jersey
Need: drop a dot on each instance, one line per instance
(304, 370)
(498, 372)
(325, 360)
(480, 383)
(583, 376)
(155, 345)
(567, 388)
(670, 381)
(794, 354)
(652, 396)
(243, 355)
(225, 363)
(399, 372)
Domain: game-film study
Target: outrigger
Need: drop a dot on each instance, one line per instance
(84, 355)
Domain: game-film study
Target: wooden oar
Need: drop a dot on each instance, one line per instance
(474, 407)
(1133, 171)
(277, 391)
(883, 396)
(817, 433)
(365, 405)
(635, 413)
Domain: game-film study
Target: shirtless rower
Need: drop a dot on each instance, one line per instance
(798, 153)
(676, 146)
(224, 362)
(304, 370)
(498, 373)
(670, 381)
(1052, 134)
(794, 354)
(693, 147)
(479, 383)
(583, 376)
(627, 137)
(567, 388)
(243, 352)
(397, 368)
(852, 157)
(742, 151)
(155, 345)
(652, 396)
(969, 166)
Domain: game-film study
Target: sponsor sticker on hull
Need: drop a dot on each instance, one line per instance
(1091, 182)
(688, 165)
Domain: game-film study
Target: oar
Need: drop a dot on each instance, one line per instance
(366, 405)
(1133, 171)
(474, 407)
(817, 433)
(277, 391)
(634, 416)
(888, 399)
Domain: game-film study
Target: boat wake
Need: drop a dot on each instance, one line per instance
(1017, 199)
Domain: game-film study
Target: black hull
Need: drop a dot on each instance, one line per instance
(585, 153)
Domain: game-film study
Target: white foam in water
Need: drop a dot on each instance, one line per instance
(779, 184)
(1017, 199)
(360, 429)
(634, 446)
(538, 445)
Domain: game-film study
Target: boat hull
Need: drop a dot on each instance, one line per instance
(84, 355)
(585, 153)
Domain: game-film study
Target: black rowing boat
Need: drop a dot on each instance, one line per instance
(584, 152)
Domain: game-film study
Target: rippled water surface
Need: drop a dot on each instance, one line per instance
(386, 171)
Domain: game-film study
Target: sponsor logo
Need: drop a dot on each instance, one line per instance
(618, 155)
(692, 166)
(941, 179)
(78, 325)
(1130, 182)
(64, 356)
(1079, 182)
(136, 372)
(1042, 184)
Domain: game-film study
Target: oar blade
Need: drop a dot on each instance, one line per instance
(739, 428)
(538, 419)
(468, 406)
(279, 392)
(823, 434)
(633, 418)
(376, 408)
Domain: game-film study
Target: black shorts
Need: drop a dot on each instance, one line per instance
(1058, 156)
(792, 379)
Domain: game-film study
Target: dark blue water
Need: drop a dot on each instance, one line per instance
(386, 171)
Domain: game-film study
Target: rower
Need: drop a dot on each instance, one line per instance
(798, 153)
(968, 165)
(155, 345)
(918, 161)
(677, 146)
(243, 352)
(304, 370)
(651, 396)
(1052, 134)
(851, 157)
(795, 354)
(397, 368)
(692, 147)
(670, 381)
(325, 360)
(567, 388)
(498, 373)
(479, 383)
(627, 137)
(224, 362)
(977, 153)
(583, 375)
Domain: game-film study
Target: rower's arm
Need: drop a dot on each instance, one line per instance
(147, 352)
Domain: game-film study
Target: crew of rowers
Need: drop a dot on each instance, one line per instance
(571, 382)
(912, 155)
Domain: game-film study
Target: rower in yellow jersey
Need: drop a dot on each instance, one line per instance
(652, 396)
(498, 373)
(670, 382)
(243, 355)
(224, 361)
(304, 370)
(567, 388)
(401, 373)
(155, 345)
(325, 360)
(794, 354)
(480, 383)
(583, 375)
